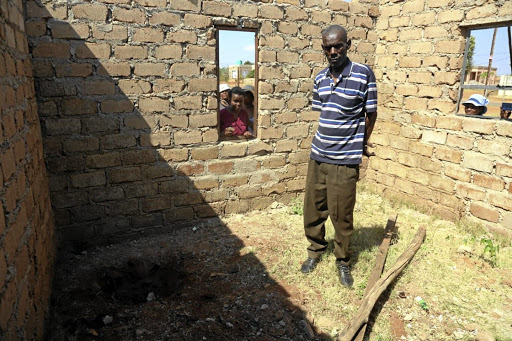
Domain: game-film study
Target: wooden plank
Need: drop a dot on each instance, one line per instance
(367, 305)
(382, 254)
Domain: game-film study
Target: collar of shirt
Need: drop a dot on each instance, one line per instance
(347, 70)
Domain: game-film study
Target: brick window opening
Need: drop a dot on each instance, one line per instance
(487, 71)
(237, 66)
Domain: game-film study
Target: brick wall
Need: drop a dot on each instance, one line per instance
(128, 106)
(457, 166)
(26, 222)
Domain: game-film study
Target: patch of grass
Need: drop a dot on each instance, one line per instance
(297, 206)
(457, 284)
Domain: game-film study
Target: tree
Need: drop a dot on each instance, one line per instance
(250, 74)
(471, 52)
(223, 74)
(247, 63)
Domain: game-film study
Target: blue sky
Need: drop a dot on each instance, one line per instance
(236, 45)
(483, 43)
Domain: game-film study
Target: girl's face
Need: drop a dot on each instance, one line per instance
(224, 95)
(248, 98)
(237, 102)
(471, 109)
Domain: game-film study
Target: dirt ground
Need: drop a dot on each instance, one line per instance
(199, 283)
(239, 279)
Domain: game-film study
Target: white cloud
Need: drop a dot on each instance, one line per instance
(249, 47)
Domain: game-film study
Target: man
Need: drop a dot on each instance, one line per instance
(345, 93)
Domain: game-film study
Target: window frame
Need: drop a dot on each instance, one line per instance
(463, 86)
(219, 28)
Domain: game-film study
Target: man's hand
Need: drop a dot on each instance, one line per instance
(366, 152)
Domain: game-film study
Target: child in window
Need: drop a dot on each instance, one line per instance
(233, 119)
(249, 105)
(475, 105)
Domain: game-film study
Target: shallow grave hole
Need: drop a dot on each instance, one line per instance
(138, 280)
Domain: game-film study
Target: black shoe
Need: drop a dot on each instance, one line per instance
(344, 274)
(309, 265)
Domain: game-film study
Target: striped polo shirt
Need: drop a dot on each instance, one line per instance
(342, 105)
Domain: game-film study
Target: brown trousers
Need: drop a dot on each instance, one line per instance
(330, 192)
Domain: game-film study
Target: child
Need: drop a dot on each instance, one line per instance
(233, 119)
(475, 105)
(249, 105)
(224, 93)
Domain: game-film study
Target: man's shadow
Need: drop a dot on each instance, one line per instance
(123, 166)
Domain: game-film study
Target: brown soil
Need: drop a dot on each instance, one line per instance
(205, 287)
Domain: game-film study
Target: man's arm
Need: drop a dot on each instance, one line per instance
(370, 119)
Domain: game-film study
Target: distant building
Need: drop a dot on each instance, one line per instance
(239, 71)
(475, 75)
(505, 81)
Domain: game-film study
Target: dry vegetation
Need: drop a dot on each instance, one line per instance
(240, 281)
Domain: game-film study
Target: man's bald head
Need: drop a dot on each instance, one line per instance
(334, 30)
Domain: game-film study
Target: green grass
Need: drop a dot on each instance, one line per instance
(459, 272)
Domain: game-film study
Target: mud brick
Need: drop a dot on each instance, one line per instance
(128, 86)
(51, 50)
(237, 206)
(157, 170)
(155, 139)
(82, 144)
(148, 35)
(188, 102)
(172, 51)
(121, 208)
(158, 203)
(73, 70)
(133, 157)
(93, 50)
(288, 145)
(178, 185)
(478, 126)
(488, 181)
(501, 200)
(131, 15)
(110, 32)
(456, 172)
(57, 88)
(149, 69)
(187, 199)
(477, 161)
(87, 213)
(154, 104)
(131, 52)
(259, 148)
(136, 121)
(114, 69)
(470, 191)
(182, 37)
(179, 214)
(217, 8)
(462, 142)
(185, 69)
(61, 30)
(204, 153)
(186, 5)
(99, 87)
(481, 211)
(100, 124)
(175, 154)
(166, 18)
(62, 126)
(36, 28)
(245, 10)
(106, 193)
(125, 174)
(118, 141)
(116, 106)
(88, 179)
(141, 189)
(230, 181)
(94, 12)
(201, 84)
(504, 169)
(498, 146)
(201, 121)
